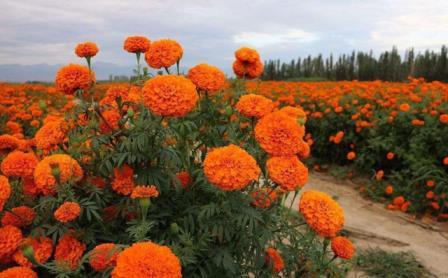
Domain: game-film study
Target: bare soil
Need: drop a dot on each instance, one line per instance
(370, 224)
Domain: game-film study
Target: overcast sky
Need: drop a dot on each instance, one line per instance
(46, 31)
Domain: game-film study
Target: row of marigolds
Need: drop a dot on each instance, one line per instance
(161, 178)
(394, 132)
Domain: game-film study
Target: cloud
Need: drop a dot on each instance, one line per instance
(286, 36)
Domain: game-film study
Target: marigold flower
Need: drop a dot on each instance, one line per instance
(247, 55)
(430, 195)
(18, 272)
(274, 259)
(404, 107)
(144, 192)
(19, 164)
(103, 256)
(379, 175)
(86, 49)
(163, 53)
(398, 201)
(10, 238)
(42, 250)
(247, 70)
(74, 77)
(321, 213)
(389, 190)
(69, 251)
(5, 191)
(19, 217)
(351, 155)
(390, 155)
(109, 120)
(342, 247)
(67, 212)
(445, 160)
(147, 259)
(170, 95)
(263, 197)
(123, 182)
(207, 78)
(51, 134)
(430, 183)
(9, 142)
(444, 118)
(287, 171)
(67, 169)
(184, 178)
(256, 106)
(279, 134)
(136, 44)
(230, 168)
(295, 112)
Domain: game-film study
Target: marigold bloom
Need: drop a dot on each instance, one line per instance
(398, 201)
(42, 250)
(263, 197)
(147, 259)
(9, 142)
(109, 121)
(67, 169)
(295, 112)
(444, 118)
(273, 258)
(163, 53)
(389, 190)
(279, 134)
(184, 178)
(430, 183)
(103, 256)
(19, 217)
(445, 160)
(74, 77)
(123, 182)
(287, 171)
(247, 55)
(390, 155)
(207, 78)
(69, 251)
(10, 238)
(136, 44)
(252, 105)
(230, 168)
(170, 95)
(351, 155)
(5, 191)
(144, 192)
(86, 49)
(247, 70)
(342, 247)
(404, 107)
(321, 213)
(379, 175)
(18, 272)
(67, 212)
(19, 164)
(51, 134)
(430, 195)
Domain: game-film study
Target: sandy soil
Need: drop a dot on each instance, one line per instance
(369, 224)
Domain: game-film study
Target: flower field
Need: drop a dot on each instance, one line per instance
(188, 174)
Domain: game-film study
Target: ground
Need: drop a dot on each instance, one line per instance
(369, 224)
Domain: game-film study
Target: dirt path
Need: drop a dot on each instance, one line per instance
(369, 224)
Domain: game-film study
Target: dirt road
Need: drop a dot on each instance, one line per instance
(369, 224)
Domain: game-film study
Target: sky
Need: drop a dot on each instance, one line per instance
(46, 31)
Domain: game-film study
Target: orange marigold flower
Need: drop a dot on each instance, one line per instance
(207, 78)
(51, 134)
(263, 197)
(170, 95)
(69, 251)
(321, 213)
(445, 160)
(247, 55)
(147, 259)
(42, 250)
(144, 192)
(9, 142)
(351, 155)
(274, 259)
(53, 168)
(18, 272)
(405, 107)
(390, 155)
(184, 178)
(163, 53)
(435, 205)
(389, 189)
(114, 93)
(136, 44)
(379, 175)
(10, 238)
(295, 112)
(247, 70)
(67, 212)
(230, 168)
(444, 118)
(342, 247)
(398, 201)
(109, 120)
(287, 171)
(123, 182)
(103, 256)
(430, 194)
(19, 217)
(430, 183)
(19, 164)
(405, 206)
(5, 191)
(74, 77)
(86, 49)
(29, 188)
(256, 106)
(278, 134)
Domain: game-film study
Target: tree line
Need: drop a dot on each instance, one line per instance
(388, 66)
